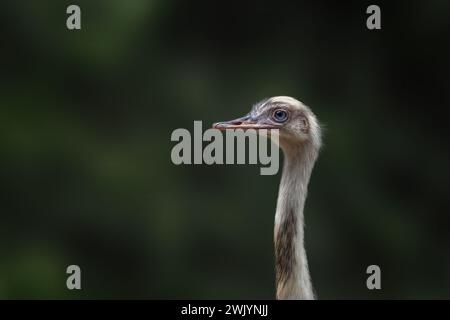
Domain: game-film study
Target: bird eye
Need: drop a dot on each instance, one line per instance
(280, 115)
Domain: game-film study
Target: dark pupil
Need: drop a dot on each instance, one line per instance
(280, 115)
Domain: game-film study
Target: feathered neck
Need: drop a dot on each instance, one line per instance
(292, 274)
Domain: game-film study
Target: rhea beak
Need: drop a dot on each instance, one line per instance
(246, 122)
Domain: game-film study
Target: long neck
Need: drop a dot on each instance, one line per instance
(292, 274)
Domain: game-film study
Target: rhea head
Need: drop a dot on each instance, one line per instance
(297, 124)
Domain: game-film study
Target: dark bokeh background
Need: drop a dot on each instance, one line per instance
(86, 118)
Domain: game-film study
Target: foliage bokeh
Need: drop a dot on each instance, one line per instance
(86, 118)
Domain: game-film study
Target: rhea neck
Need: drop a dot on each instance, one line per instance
(292, 275)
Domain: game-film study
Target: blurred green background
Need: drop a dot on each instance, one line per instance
(86, 118)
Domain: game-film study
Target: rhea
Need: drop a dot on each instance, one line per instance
(299, 136)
